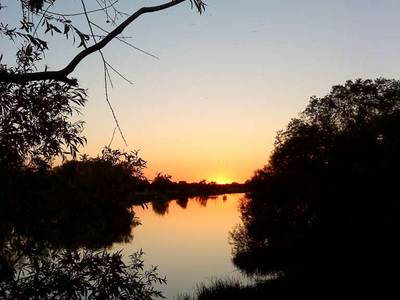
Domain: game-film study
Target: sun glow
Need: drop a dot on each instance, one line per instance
(221, 180)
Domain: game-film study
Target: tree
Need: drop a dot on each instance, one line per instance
(29, 33)
(325, 204)
(162, 182)
(35, 122)
(33, 271)
(36, 106)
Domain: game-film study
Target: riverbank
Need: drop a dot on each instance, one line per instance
(186, 190)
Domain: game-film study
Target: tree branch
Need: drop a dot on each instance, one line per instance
(62, 75)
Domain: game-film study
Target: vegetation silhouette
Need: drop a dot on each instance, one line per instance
(54, 221)
(322, 216)
(235, 289)
(80, 203)
(324, 210)
(52, 213)
(183, 201)
(160, 207)
(162, 188)
(31, 270)
(35, 122)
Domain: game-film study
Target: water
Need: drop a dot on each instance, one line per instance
(188, 241)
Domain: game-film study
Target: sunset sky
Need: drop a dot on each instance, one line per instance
(227, 80)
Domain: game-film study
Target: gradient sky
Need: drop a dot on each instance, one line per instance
(229, 79)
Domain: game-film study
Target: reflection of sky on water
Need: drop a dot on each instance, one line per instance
(188, 245)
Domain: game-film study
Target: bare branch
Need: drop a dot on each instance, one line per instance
(62, 75)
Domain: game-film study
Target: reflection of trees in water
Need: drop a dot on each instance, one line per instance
(90, 230)
(183, 202)
(202, 200)
(80, 203)
(52, 223)
(45, 254)
(160, 207)
(69, 227)
(57, 256)
(266, 243)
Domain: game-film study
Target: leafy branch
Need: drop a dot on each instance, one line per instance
(8, 76)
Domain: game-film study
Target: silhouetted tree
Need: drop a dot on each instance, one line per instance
(325, 208)
(36, 106)
(35, 16)
(32, 271)
(162, 182)
(35, 123)
(79, 203)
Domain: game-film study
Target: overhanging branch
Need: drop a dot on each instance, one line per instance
(62, 75)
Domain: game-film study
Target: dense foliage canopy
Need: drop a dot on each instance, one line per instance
(325, 208)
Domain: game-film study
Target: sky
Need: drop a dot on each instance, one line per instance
(227, 80)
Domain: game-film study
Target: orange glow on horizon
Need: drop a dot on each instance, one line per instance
(220, 180)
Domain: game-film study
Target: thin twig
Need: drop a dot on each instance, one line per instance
(82, 13)
(127, 43)
(112, 110)
(112, 137)
(106, 73)
(119, 74)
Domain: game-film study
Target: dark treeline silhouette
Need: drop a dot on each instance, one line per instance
(52, 219)
(49, 214)
(323, 215)
(57, 223)
(325, 208)
(85, 203)
(162, 188)
(88, 202)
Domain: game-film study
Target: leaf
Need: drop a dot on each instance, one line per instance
(66, 29)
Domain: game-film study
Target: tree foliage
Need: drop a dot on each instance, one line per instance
(35, 122)
(37, 105)
(326, 200)
(41, 273)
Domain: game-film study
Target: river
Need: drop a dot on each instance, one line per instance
(187, 240)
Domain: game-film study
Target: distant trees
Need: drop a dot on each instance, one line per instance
(162, 182)
(163, 185)
(328, 195)
(79, 203)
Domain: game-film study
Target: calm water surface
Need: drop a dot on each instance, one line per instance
(188, 241)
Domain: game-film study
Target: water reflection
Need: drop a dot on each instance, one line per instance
(188, 240)
(71, 228)
(58, 250)
(160, 207)
(182, 202)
